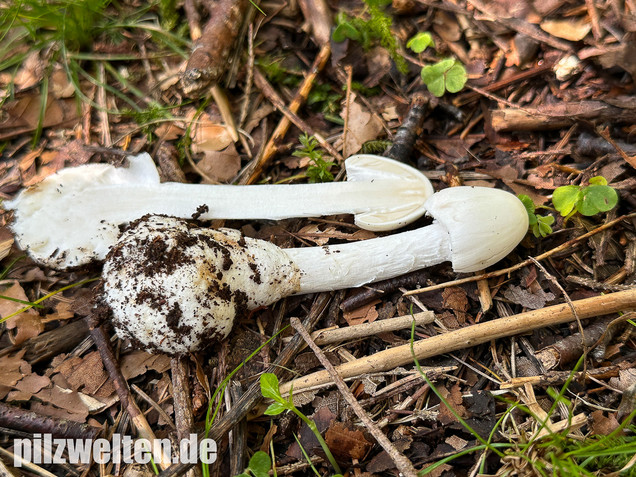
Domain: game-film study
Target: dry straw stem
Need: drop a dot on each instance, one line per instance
(337, 335)
(283, 126)
(505, 271)
(472, 336)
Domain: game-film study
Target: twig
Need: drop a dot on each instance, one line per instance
(471, 336)
(301, 96)
(370, 292)
(137, 417)
(330, 336)
(183, 416)
(253, 393)
(505, 271)
(277, 101)
(29, 421)
(347, 109)
(402, 463)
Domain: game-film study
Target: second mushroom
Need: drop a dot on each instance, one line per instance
(174, 287)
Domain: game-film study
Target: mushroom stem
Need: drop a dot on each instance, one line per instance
(172, 286)
(73, 217)
(354, 264)
(474, 228)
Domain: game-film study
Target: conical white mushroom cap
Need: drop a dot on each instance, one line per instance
(484, 225)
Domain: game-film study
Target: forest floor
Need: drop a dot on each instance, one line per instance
(533, 97)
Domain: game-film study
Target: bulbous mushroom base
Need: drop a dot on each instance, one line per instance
(173, 287)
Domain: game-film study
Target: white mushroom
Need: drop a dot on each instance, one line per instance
(73, 217)
(173, 287)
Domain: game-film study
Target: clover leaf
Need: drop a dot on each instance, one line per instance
(445, 75)
(420, 42)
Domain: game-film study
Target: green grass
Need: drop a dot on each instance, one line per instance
(65, 32)
(556, 454)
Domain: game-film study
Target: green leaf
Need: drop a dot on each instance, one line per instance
(598, 180)
(544, 225)
(260, 464)
(597, 198)
(527, 202)
(270, 387)
(565, 198)
(420, 42)
(345, 30)
(456, 78)
(275, 409)
(447, 74)
(243, 475)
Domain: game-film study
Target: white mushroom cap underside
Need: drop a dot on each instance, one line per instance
(174, 288)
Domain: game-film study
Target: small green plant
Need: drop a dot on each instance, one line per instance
(270, 389)
(568, 200)
(259, 466)
(319, 170)
(420, 42)
(587, 200)
(446, 75)
(541, 225)
(375, 29)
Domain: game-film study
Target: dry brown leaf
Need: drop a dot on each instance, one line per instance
(362, 127)
(364, 314)
(313, 233)
(28, 323)
(59, 85)
(86, 374)
(603, 425)
(568, 29)
(455, 298)
(345, 443)
(455, 400)
(208, 135)
(138, 362)
(221, 166)
(14, 368)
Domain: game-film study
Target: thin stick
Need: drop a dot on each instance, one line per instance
(529, 261)
(278, 102)
(330, 336)
(402, 463)
(121, 386)
(472, 336)
(271, 147)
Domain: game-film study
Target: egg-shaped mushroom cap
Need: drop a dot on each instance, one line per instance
(174, 287)
(484, 225)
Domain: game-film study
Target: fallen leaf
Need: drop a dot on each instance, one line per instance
(528, 299)
(139, 362)
(221, 166)
(362, 127)
(14, 368)
(345, 443)
(207, 135)
(86, 374)
(365, 314)
(454, 399)
(603, 425)
(28, 323)
(568, 29)
(455, 298)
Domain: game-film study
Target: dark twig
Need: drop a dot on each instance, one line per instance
(369, 293)
(28, 421)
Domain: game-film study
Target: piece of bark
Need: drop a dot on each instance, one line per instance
(553, 116)
(211, 51)
(12, 417)
(410, 130)
(570, 348)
